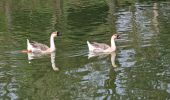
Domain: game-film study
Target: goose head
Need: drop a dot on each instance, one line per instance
(113, 45)
(115, 36)
(55, 34)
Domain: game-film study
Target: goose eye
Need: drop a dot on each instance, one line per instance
(118, 36)
(59, 34)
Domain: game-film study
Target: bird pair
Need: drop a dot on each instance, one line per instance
(35, 47)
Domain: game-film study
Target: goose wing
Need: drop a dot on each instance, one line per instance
(100, 45)
(39, 46)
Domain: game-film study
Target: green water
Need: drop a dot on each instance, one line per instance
(142, 57)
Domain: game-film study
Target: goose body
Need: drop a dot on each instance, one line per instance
(35, 47)
(102, 47)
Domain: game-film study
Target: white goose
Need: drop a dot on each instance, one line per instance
(101, 47)
(35, 47)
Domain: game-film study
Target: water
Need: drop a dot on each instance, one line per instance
(139, 69)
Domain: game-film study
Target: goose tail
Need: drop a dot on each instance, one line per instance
(28, 45)
(28, 42)
(88, 43)
(89, 46)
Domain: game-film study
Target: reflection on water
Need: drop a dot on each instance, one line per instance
(142, 57)
(103, 55)
(32, 56)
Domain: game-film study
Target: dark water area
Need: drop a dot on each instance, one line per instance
(138, 70)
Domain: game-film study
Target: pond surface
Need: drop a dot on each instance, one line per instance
(138, 70)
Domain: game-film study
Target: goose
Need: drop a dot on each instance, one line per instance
(102, 47)
(35, 47)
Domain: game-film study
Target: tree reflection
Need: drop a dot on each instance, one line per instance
(143, 53)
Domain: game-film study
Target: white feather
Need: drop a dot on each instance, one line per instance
(91, 48)
(29, 46)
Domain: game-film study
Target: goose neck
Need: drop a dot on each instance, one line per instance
(113, 45)
(52, 45)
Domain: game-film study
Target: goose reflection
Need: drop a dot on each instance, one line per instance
(103, 55)
(32, 56)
